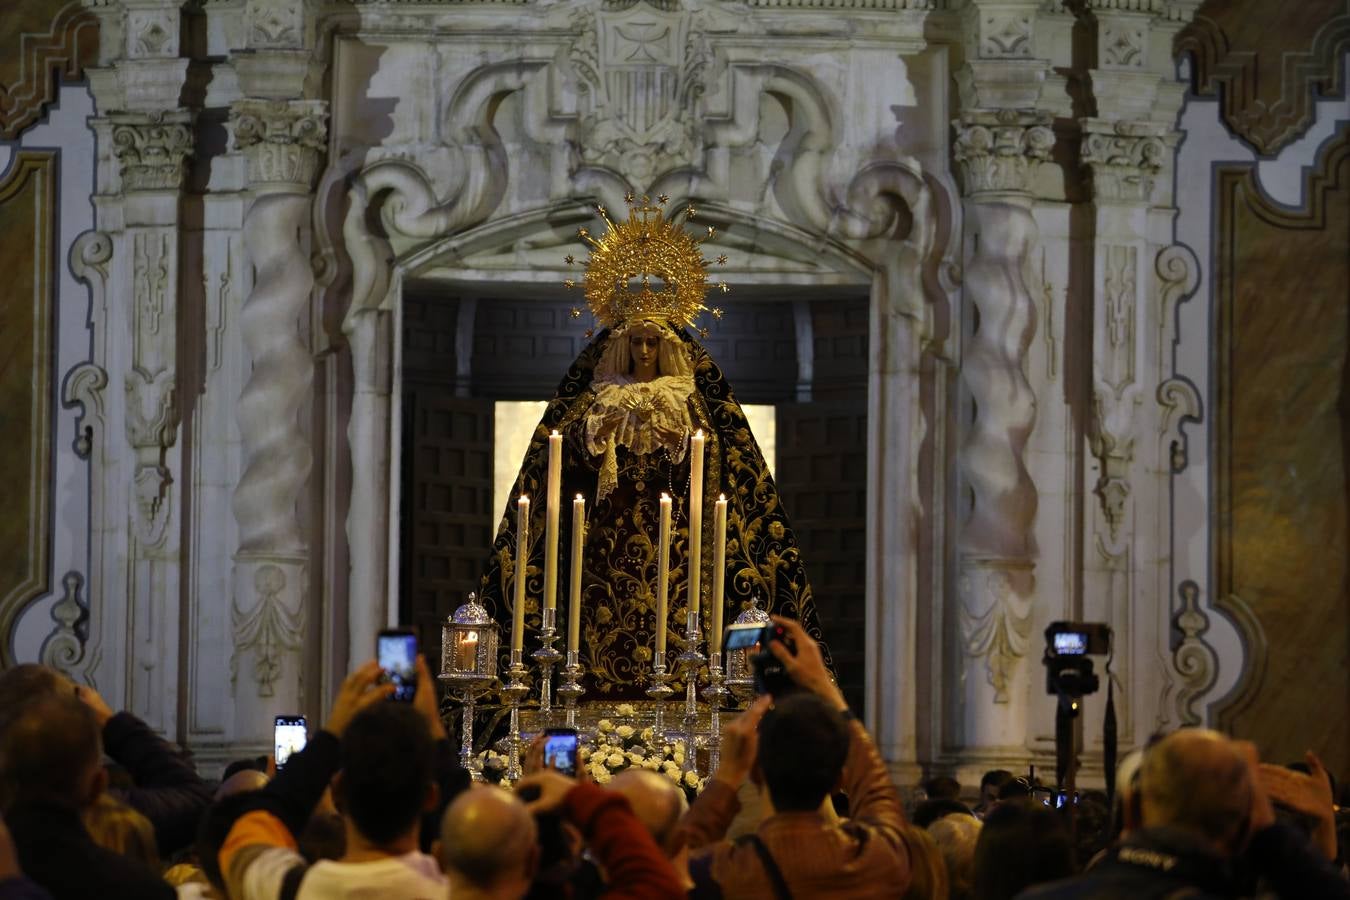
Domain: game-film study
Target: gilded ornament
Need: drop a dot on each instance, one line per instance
(655, 252)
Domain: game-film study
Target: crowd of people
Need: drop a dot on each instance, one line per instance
(801, 805)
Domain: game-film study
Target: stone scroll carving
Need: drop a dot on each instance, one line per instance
(64, 647)
(1194, 660)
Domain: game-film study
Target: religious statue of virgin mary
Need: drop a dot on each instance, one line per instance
(626, 410)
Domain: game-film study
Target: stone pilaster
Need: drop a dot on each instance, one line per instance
(1127, 154)
(133, 262)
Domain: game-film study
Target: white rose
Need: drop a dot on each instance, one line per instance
(603, 778)
(673, 775)
(615, 760)
(669, 766)
(679, 758)
(625, 732)
(625, 709)
(691, 779)
(647, 734)
(605, 726)
(651, 763)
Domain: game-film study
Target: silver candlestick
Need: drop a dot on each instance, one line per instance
(512, 693)
(660, 691)
(546, 657)
(692, 660)
(716, 695)
(571, 690)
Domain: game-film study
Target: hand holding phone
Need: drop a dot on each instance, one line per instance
(289, 736)
(396, 652)
(560, 751)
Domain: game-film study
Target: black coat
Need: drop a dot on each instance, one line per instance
(56, 852)
(1158, 863)
(165, 788)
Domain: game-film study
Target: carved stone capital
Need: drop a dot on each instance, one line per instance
(283, 139)
(151, 150)
(998, 151)
(1122, 159)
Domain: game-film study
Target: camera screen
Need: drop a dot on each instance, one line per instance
(740, 637)
(1071, 643)
(560, 752)
(290, 738)
(398, 658)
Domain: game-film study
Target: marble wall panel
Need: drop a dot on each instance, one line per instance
(1282, 441)
(27, 207)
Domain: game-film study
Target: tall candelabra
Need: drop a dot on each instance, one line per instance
(571, 690)
(513, 692)
(547, 657)
(660, 691)
(692, 660)
(716, 695)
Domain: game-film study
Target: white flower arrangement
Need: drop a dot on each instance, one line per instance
(623, 746)
(616, 747)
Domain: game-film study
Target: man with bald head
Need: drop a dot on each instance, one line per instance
(490, 847)
(658, 804)
(1203, 814)
(488, 844)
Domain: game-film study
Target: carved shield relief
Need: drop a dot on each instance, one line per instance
(640, 69)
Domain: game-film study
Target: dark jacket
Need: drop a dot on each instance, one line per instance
(1163, 863)
(165, 788)
(56, 852)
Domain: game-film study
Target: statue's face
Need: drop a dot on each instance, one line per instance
(644, 343)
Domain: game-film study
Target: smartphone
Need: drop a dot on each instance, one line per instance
(396, 652)
(289, 736)
(742, 636)
(560, 750)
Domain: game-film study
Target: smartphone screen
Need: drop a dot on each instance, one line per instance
(289, 737)
(396, 652)
(742, 637)
(560, 750)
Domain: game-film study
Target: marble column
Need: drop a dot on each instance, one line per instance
(997, 152)
(283, 141)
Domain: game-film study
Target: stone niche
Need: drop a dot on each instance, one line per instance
(469, 144)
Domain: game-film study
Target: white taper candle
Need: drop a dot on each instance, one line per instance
(551, 521)
(719, 574)
(522, 563)
(695, 519)
(574, 595)
(663, 579)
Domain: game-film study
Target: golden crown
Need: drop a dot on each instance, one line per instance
(647, 267)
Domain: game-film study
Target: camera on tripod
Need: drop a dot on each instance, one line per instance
(1068, 670)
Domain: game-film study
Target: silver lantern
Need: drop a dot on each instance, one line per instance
(469, 666)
